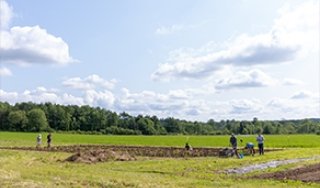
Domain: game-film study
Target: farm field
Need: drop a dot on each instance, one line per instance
(48, 169)
(272, 141)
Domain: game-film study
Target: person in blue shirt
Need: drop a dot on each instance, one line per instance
(250, 148)
(260, 140)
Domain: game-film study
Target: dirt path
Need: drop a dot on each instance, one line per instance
(309, 173)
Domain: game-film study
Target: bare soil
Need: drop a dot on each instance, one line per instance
(94, 156)
(309, 173)
(138, 150)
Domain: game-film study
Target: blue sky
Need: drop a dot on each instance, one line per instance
(195, 60)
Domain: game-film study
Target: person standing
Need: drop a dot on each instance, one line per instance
(49, 139)
(39, 138)
(234, 144)
(260, 140)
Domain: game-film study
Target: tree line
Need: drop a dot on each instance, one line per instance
(32, 117)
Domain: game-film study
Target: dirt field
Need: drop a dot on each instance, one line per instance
(94, 156)
(135, 150)
(306, 174)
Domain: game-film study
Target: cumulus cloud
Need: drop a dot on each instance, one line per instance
(30, 44)
(299, 25)
(40, 95)
(5, 72)
(253, 78)
(245, 106)
(291, 82)
(6, 14)
(173, 103)
(291, 108)
(103, 99)
(90, 82)
(303, 95)
(179, 104)
(283, 43)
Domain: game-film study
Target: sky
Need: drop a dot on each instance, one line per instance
(193, 60)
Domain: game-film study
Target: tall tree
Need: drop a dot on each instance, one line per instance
(18, 120)
(37, 120)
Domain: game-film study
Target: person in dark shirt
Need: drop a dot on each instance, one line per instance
(234, 144)
(49, 139)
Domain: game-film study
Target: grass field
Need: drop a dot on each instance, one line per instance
(45, 169)
(272, 141)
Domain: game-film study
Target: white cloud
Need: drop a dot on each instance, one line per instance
(174, 103)
(99, 98)
(283, 43)
(90, 82)
(30, 44)
(10, 97)
(303, 95)
(244, 51)
(252, 78)
(179, 104)
(40, 95)
(5, 71)
(71, 100)
(291, 82)
(290, 108)
(246, 106)
(299, 25)
(6, 14)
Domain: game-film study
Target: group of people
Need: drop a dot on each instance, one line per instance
(249, 145)
(39, 140)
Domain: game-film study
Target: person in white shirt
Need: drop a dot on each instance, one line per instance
(39, 138)
(260, 140)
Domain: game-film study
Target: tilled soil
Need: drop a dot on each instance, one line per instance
(136, 150)
(309, 173)
(94, 156)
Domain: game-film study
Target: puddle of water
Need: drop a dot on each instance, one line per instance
(262, 166)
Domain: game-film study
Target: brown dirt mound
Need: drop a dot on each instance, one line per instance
(309, 173)
(94, 156)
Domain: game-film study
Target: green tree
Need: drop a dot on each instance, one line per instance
(37, 120)
(146, 126)
(17, 120)
(5, 109)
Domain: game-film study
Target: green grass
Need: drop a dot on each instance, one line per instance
(44, 169)
(272, 141)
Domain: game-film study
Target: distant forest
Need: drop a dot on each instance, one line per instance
(31, 117)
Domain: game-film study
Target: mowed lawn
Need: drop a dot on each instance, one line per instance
(271, 141)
